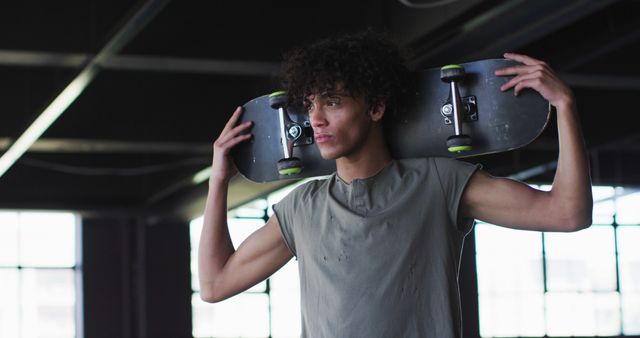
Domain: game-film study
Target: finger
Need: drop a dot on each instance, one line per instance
(527, 60)
(235, 131)
(225, 147)
(233, 119)
(533, 83)
(511, 83)
(517, 70)
(241, 138)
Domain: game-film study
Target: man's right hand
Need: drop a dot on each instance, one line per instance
(223, 168)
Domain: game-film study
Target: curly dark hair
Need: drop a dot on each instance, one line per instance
(366, 63)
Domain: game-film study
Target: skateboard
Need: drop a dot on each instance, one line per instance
(452, 111)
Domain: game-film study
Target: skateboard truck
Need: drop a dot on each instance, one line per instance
(458, 142)
(290, 132)
(470, 110)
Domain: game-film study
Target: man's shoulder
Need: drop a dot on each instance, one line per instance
(309, 188)
(434, 165)
(431, 161)
(424, 163)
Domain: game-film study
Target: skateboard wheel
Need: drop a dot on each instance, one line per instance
(289, 166)
(459, 143)
(451, 73)
(278, 100)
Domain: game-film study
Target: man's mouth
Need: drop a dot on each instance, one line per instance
(322, 137)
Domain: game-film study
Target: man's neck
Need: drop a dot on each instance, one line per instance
(366, 162)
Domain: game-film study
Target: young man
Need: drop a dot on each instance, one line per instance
(378, 243)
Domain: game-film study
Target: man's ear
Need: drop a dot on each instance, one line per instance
(377, 110)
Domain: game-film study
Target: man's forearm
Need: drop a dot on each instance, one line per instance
(572, 182)
(215, 243)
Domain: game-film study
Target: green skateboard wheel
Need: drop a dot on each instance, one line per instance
(459, 143)
(459, 149)
(289, 166)
(278, 99)
(451, 73)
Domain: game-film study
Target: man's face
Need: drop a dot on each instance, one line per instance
(340, 122)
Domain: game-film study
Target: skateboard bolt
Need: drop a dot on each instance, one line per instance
(447, 109)
(295, 132)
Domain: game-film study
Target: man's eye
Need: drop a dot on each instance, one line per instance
(333, 103)
(307, 106)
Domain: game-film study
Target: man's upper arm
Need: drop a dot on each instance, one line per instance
(257, 258)
(513, 204)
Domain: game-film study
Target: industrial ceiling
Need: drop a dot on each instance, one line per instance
(154, 83)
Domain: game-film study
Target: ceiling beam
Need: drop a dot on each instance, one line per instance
(140, 63)
(71, 92)
(505, 27)
(78, 146)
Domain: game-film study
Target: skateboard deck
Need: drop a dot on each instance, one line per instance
(469, 118)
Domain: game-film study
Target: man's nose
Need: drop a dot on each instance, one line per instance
(316, 117)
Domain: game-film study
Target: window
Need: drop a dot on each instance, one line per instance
(564, 284)
(269, 309)
(38, 274)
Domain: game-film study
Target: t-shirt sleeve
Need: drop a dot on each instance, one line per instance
(454, 176)
(285, 213)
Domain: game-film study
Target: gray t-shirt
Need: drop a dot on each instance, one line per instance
(380, 257)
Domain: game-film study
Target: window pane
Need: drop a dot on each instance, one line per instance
(627, 208)
(581, 261)
(9, 303)
(631, 313)
(582, 297)
(508, 260)
(239, 230)
(285, 302)
(497, 240)
(47, 239)
(229, 318)
(583, 314)
(628, 240)
(8, 239)
(47, 300)
(603, 205)
(195, 229)
(511, 315)
(254, 209)
(508, 274)
(629, 258)
(510, 281)
(244, 315)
